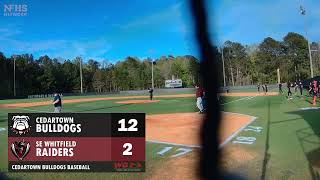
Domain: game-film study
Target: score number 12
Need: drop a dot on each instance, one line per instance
(132, 122)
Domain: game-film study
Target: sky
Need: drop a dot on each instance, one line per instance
(114, 30)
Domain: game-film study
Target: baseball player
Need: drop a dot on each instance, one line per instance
(258, 86)
(310, 89)
(300, 87)
(266, 89)
(57, 103)
(295, 87)
(151, 93)
(205, 101)
(315, 91)
(289, 90)
(280, 88)
(199, 96)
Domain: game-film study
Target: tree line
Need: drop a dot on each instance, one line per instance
(45, 75)
(243, 65)
(259, 63)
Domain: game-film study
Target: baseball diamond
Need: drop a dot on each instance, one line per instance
(252, 126)
(167, 89)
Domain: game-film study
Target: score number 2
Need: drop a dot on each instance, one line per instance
(128, 148)
(132, 122)
(132, 126)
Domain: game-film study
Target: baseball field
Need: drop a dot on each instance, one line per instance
(261, 136)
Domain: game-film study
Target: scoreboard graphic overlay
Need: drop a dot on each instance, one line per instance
(76, 142)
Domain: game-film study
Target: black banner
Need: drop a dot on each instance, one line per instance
(110, 166)
(76, 142)
(75, 124)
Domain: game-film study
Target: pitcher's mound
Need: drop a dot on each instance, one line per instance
(137, 101)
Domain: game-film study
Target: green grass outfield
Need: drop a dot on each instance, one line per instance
(166, 105)
(187, 91)
(288, 147)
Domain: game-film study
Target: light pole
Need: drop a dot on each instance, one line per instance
(80, 61)
(14, 75)
(303, 13)
(278, 74)
(231, 69)
(295, 67)
(224, 71)
(152, 74)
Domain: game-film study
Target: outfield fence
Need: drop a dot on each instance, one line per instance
(131, 92)
(161, 91)
(70, 94)
(249, 88)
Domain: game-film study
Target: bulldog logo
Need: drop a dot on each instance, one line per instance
(20, 124)
(20, 149)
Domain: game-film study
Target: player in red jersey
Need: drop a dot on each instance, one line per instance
(199, 96)
(315, 92)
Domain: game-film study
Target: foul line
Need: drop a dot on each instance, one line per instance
(238, 131)
(309, 108)
(238, 114)
(173, 144)
(244, 98)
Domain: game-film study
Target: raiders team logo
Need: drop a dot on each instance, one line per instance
(20, 124)
(20, 149)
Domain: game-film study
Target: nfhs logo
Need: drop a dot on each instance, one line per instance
(15, 10)
(20, 124)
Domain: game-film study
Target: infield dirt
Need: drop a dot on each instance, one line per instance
(184, 128)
